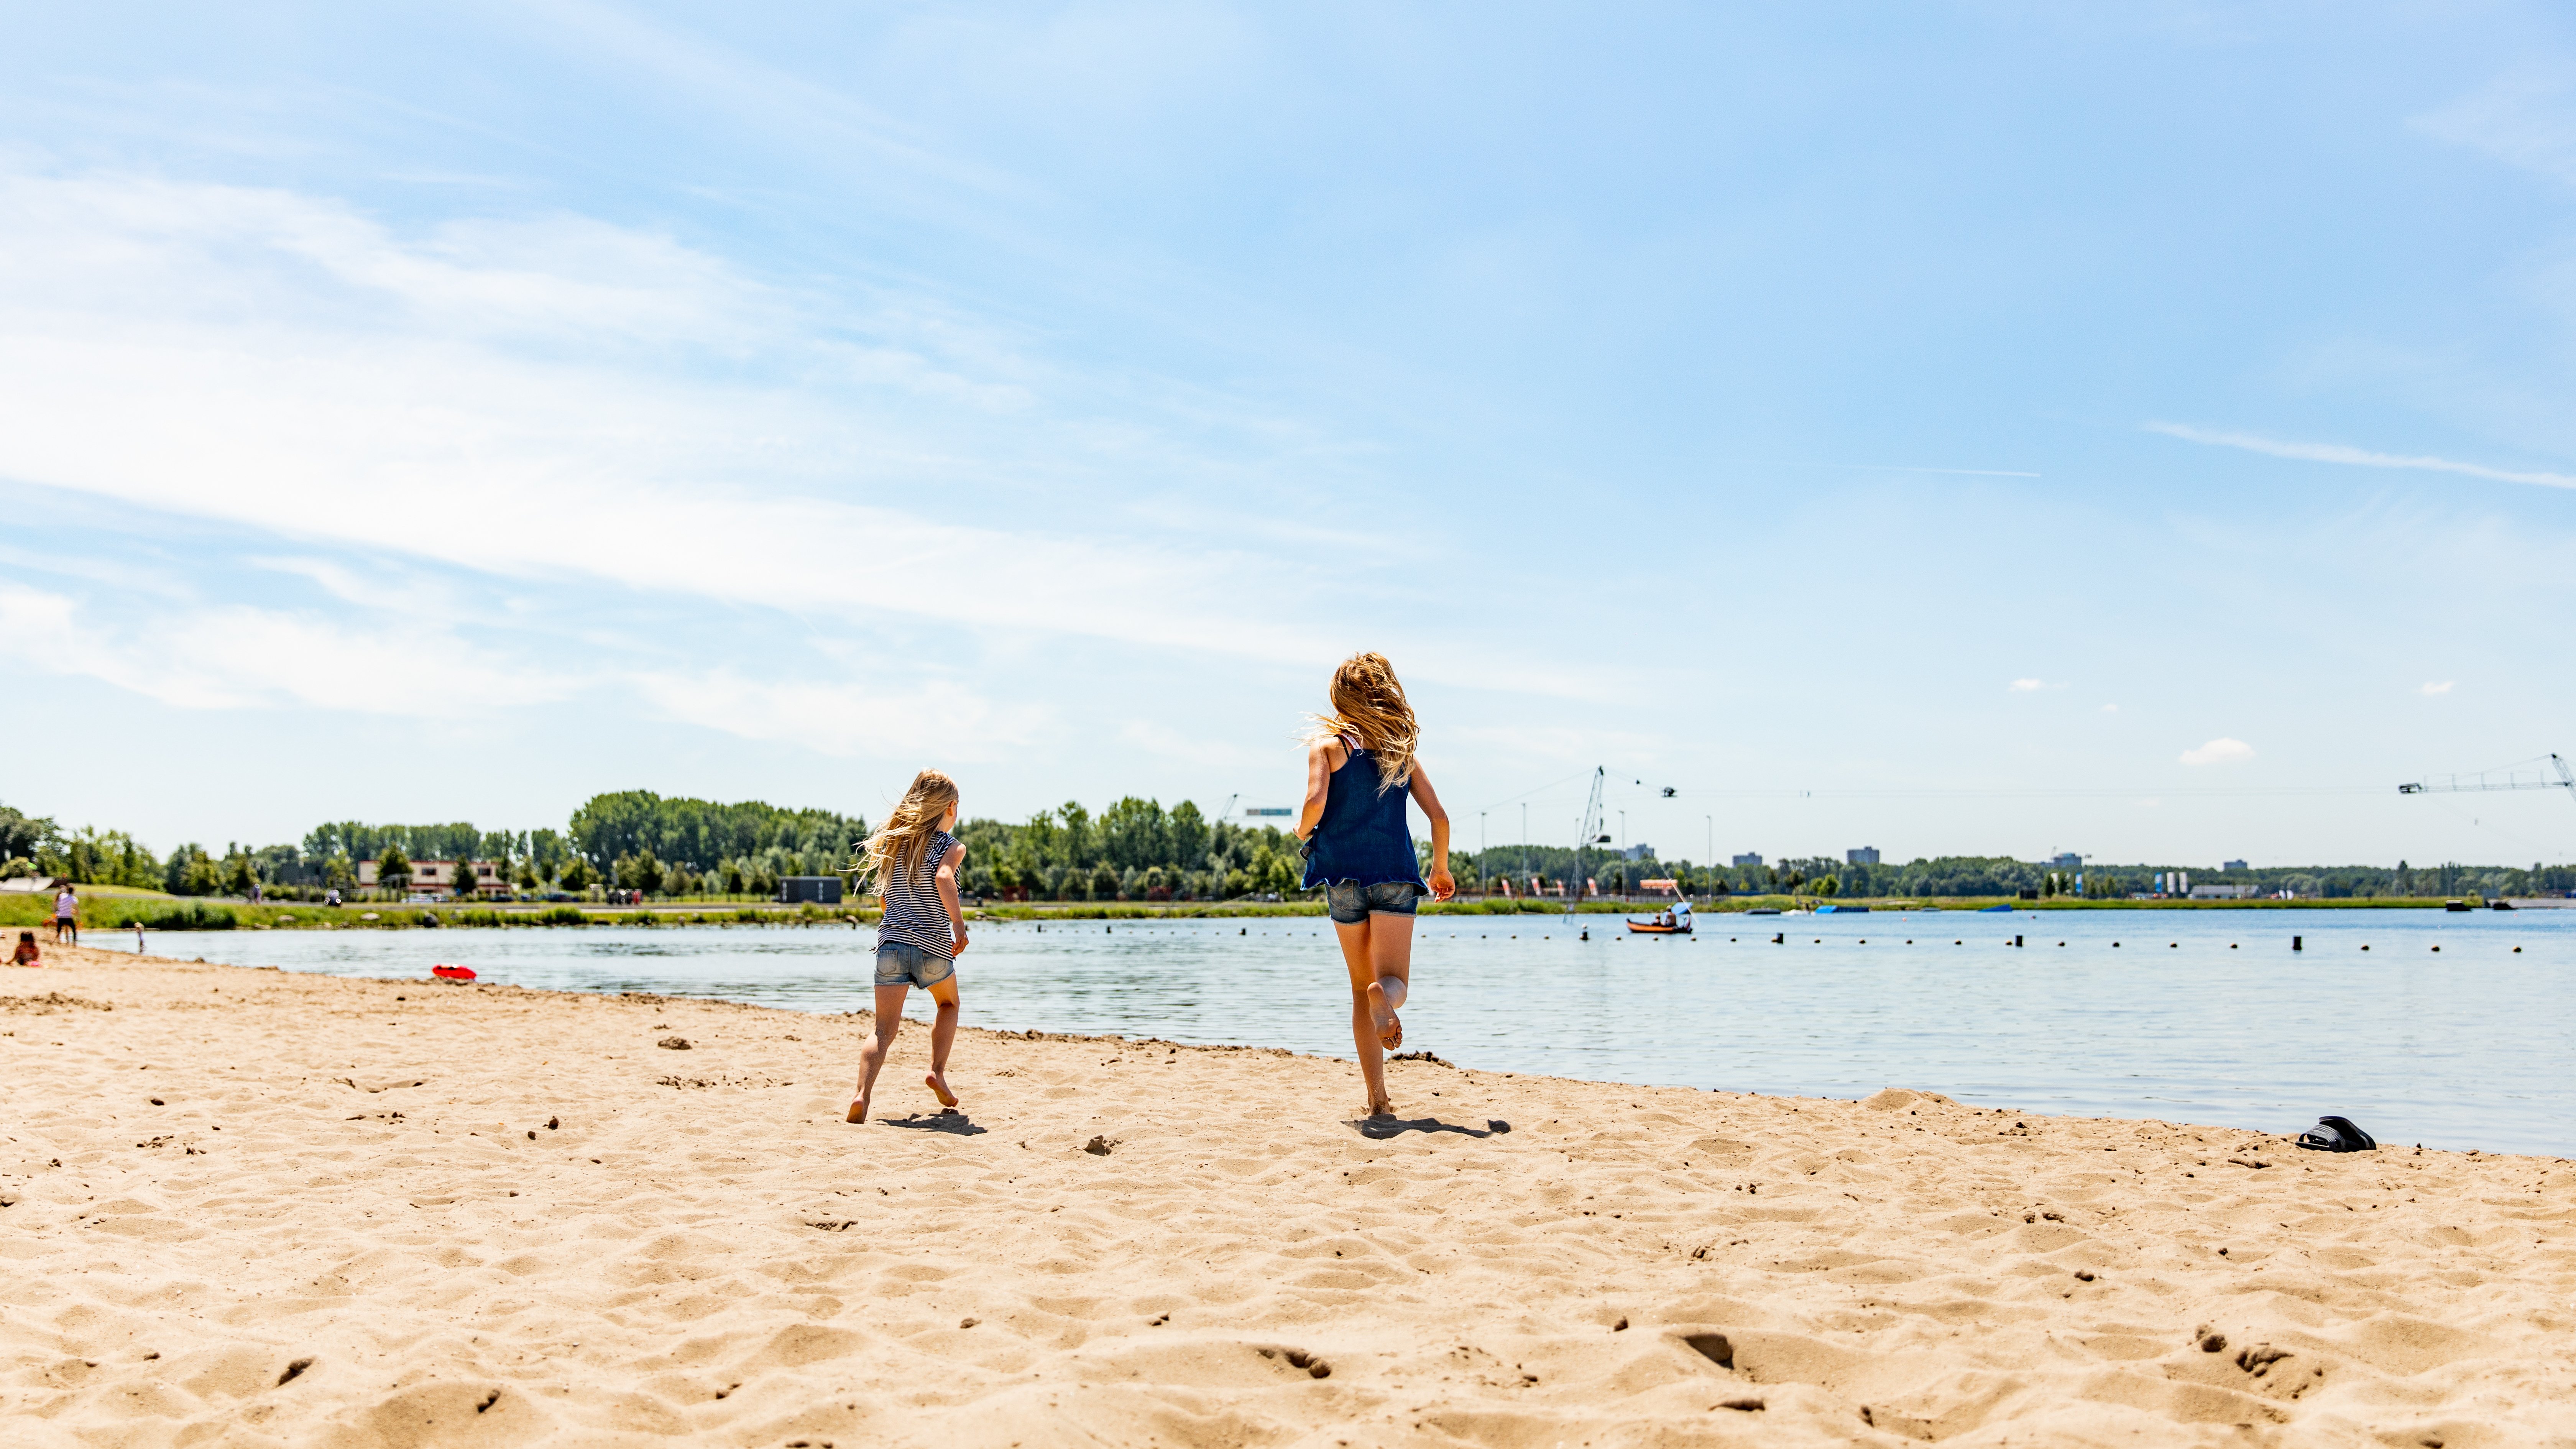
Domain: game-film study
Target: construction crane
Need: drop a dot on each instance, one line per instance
(2513, 777)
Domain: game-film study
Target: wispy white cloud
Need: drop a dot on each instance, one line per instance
(562, 399)
(2220, 751)
(2032, 686)
(2431, 688)
(936, 721)
(2525, 119)
(2357, 457)
(1163, 741)
(235, 657)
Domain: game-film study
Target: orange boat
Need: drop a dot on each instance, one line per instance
(1657, 928)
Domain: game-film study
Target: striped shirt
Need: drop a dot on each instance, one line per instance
(914, 914)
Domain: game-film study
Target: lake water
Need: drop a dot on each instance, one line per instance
(2204, 1016)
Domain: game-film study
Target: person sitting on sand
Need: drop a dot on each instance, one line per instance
(915, 861)
(66, 917)
(26, 954)
(1360, 770)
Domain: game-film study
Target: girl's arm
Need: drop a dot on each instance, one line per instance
(1443, 886)
(1320, 765)
(945, 879)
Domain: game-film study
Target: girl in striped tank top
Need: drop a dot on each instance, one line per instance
(916, 862)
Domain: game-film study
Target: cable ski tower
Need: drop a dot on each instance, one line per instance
(1589, 835)
(2510, 777)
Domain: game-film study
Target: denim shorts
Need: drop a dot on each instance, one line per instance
(1351, 903)
(900, 963)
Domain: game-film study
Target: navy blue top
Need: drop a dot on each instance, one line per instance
(1361, 838)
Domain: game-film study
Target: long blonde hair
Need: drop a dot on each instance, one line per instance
(1369, 706)
(896, 850)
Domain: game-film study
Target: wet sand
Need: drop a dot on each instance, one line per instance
(413, 1213)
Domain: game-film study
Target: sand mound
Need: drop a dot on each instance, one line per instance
(252, 1208)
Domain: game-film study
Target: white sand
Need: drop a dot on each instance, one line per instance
(369, 1185)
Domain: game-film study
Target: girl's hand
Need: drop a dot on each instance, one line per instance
(1443, 885)
(956, 942)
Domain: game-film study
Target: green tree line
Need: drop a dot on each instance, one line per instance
(1134, 849)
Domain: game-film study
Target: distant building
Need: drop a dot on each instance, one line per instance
(2232, 865)
(483, 877)
(1638, 852)
(2067, 861)
(2223, 892)
(1866, 855)
(1750, 858)
(821, 890)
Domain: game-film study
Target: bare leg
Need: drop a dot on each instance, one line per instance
(1391, 963)
(872, 1055)
(943, 1035)
(1365, 996)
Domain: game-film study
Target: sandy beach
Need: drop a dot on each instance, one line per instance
(248, 1207)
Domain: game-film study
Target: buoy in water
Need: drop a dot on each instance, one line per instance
(452, 973)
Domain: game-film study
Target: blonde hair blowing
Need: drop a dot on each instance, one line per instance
(1369, 704)
(898, 847)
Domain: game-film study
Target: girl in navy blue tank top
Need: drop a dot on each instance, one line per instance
(1360, 771)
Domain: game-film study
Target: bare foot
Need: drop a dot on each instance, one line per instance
(1390, 1029)
(858, 1110)
(939, 1087)
(1383, 1107)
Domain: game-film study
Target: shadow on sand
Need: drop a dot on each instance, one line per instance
(1381, 1128)
(948, 1120)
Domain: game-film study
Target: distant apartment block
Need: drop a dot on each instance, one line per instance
(1638, 852)
(2224, 892)
(441, 875)
(1749, 858)
(2232, 865)
(2068, 860)
(1866, 855)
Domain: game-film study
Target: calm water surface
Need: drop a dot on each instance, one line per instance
(2196, 1016)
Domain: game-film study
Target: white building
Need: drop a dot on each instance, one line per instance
(2224, 892)
(430, 877)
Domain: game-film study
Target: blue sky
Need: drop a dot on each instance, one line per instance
(1973, 428)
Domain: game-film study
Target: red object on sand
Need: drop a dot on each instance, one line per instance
(452, 973)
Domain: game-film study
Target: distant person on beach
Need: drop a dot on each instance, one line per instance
(915, 861)
(66, 918)
(1360, 770)
(26, 954)
(138, 938)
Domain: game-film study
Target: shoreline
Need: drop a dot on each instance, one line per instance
(120, 911)
(662, 1242)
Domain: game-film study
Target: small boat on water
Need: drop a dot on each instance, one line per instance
(1983, 909)
(1658, 928)
(1842, 910)
(1763, 911)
